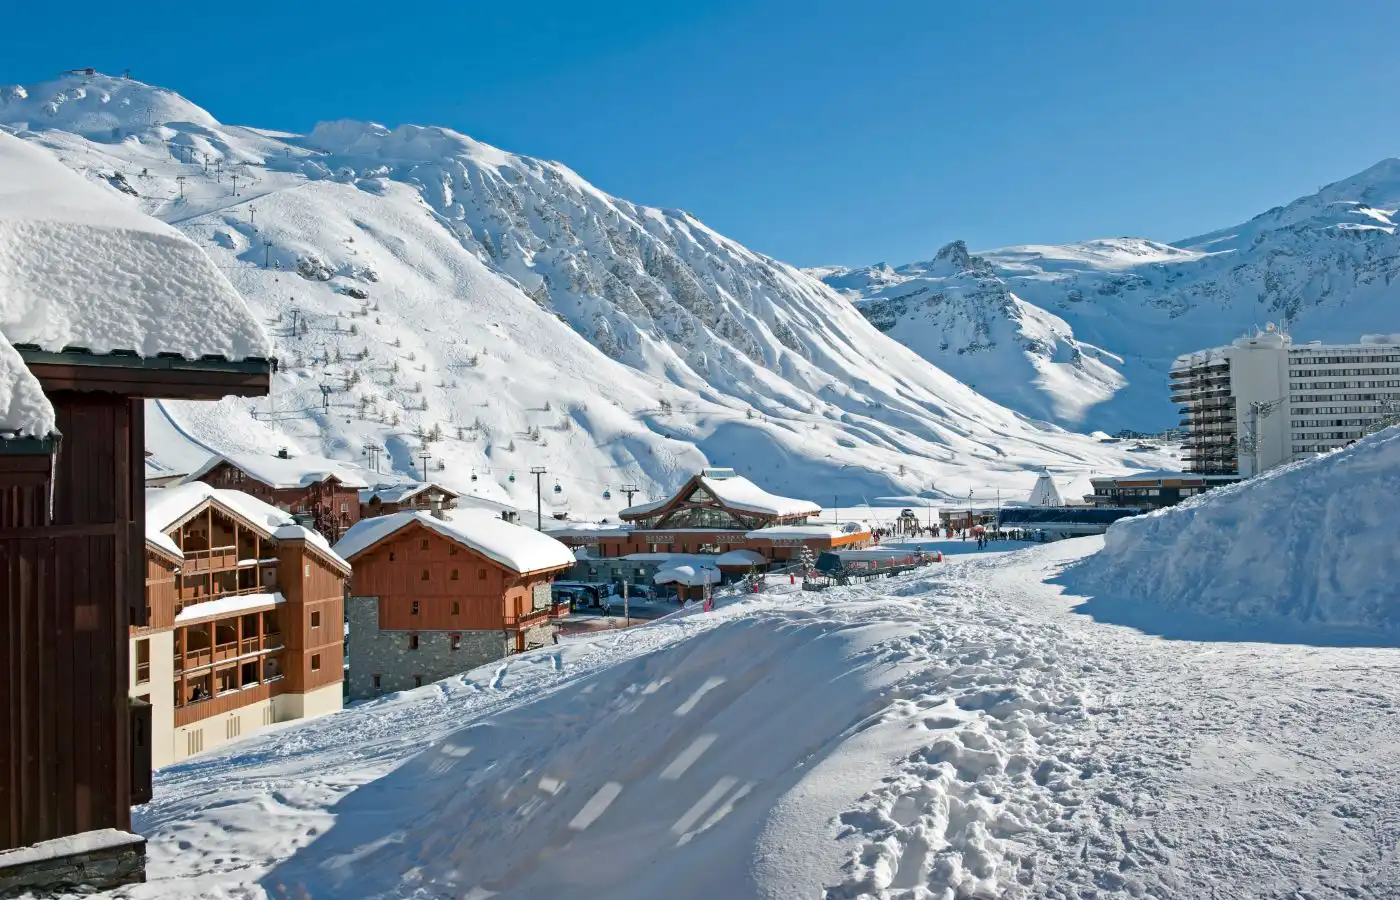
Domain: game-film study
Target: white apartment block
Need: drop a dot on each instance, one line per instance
(1263, 400)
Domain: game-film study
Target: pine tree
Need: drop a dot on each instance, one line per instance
(805, 560)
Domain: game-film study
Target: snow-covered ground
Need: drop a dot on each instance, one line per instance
(962, 731)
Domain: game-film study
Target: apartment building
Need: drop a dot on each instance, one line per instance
(1263, 400)
(322, 493)
(244, 623)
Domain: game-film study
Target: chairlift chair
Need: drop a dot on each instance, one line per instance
(557, 488)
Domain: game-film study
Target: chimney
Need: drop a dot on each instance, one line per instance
(283, 454)
(435, 505)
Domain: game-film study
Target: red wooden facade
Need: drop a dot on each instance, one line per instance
(427, 582)
(73, 579)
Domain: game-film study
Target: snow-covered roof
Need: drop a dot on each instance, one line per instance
(1207, 357)
(398, 493)
(168, 505)
(517, 548)
(161, 541)
(736, 492)
(292, 472)
(227, 606)
(80, 268)
(1045, 493)
(689, 575)
(24, 410)
(798, 532)
(741, 558)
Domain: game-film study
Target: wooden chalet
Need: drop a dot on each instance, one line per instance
(385, 499)
(434, 595)
(322, 493)
(719, 517)
(82, 344)
(245, 614)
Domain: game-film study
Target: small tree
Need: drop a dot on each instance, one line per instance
(805, 560)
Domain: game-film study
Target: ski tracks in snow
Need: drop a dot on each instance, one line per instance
(1058, 757)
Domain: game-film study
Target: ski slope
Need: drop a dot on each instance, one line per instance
(965, 731)
(430, 293)
(1083, 334)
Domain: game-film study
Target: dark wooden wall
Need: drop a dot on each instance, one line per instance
(70, 586)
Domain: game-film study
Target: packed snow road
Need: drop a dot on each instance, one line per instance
(962, 732)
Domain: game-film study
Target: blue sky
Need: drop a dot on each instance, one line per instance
(817, 131)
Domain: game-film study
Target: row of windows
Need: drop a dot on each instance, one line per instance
(1308, 373)
(1334, 435)
(456, 611)
(1338, 410)
(1310, 360)
(1341, 385)
(1330, 423)
(1315, 448)
(1333, 398)
(413, 645)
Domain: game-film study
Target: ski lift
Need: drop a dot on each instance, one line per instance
(607, 494)
(512, 478)
(473, 476)
(557, 488)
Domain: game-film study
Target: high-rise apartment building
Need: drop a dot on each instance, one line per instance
(1263, 400)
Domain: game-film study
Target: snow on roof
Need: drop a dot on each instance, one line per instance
(737, 492)
(1045, 493)
(741, 558)
(791, 532)
(398, 493)
(1200, 358)
(162, 541)
(167, 505)
(80, 268)
(293, 472)
(689, 575)
(24, 410)
(513, 546)
(227, 606)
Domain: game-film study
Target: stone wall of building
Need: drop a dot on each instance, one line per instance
(387, 654)
(94, 860)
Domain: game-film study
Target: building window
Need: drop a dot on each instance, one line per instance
(316, 620)
(456, 642)
(452, 550)
(424, 577)
(453, 576)
(423, 544)
(377, 682)
(143, 661)
(413, 642)
(315, 662)
(415, 608)
(480, 574)
(456, 608)
(417, 680)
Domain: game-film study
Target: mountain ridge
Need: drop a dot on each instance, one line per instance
(508, 314)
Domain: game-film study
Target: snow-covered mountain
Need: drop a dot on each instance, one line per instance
(1083, 334)
(511, 315)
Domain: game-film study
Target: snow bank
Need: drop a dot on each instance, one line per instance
(1312, 542)
(516, 547)
(80, 269)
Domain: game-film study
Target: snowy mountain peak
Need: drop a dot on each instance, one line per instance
(430, 294)
(99, 107)
(954, 259)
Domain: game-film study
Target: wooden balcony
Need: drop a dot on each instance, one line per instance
(227, 701)
(211, 559)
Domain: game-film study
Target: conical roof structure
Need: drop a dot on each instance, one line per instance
(1045, 493)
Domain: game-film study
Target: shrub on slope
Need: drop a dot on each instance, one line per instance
(1315, 542)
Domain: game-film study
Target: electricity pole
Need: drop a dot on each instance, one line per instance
(629, 490)
(538, 472)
